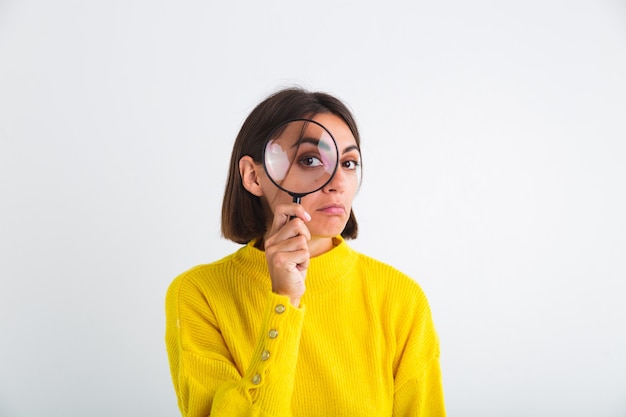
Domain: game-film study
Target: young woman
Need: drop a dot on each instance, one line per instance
(297, 323)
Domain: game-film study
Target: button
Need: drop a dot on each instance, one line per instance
(265, 355)
(280, 309)
(273, 334)
(256, 380)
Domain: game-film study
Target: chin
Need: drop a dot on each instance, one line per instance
(327, 230)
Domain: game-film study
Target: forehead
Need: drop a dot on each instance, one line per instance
(338, 128)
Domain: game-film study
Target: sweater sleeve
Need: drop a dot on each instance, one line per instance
(206, 379)
(421, 396)
(418, 384)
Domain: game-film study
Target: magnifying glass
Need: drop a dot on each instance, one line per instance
(300, 157)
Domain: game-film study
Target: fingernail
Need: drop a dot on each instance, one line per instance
(307, 216)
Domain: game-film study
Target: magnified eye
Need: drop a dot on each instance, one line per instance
(310, 161)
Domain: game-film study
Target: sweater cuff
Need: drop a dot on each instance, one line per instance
(269, 380)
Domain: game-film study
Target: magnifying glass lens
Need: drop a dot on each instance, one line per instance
(300, 157)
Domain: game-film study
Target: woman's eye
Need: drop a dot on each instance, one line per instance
(310, 161)
(350, 164)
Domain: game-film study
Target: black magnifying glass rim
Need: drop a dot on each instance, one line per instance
(297, 196)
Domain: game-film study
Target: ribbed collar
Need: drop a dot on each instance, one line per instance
(325, 271)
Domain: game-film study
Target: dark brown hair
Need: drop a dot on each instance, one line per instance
(243, 216)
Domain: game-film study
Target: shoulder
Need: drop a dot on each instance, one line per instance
(397, 295)
(198, 280)
(400, 300)
(385, 277)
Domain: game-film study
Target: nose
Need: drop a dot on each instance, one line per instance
(337, 183)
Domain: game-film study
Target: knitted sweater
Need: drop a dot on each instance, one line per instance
(362, 342)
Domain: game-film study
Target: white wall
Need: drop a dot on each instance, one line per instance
(495, 166)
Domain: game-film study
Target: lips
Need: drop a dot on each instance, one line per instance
(333, 208)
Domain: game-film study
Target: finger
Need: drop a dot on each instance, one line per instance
(296, 260)
(297, 243)
(282, 231)
(286, 212)
(293, 228)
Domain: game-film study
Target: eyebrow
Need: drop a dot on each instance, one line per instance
(319, 143)
(312, 141)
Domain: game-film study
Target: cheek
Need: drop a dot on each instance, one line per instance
(273, 196)
(353, 185)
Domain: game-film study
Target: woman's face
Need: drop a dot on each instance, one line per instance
(329, 207)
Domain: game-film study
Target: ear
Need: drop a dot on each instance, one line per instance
(249, 171)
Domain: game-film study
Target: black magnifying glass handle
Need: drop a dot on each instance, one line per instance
(295, 199)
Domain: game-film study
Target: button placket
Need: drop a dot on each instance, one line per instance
(272, 335)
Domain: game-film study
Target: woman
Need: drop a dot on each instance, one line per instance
(296, 323)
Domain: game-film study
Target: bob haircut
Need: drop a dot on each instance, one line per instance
(243, 215)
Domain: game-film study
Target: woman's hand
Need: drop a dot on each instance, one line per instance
(287, 251)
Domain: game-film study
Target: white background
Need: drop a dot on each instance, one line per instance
(494, 144)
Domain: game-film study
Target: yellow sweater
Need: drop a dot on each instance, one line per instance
(361, 344)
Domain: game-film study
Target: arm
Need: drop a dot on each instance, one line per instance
(206, 378)
(421, 396)
(418, 384)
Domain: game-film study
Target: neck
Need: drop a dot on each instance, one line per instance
(320, 245)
